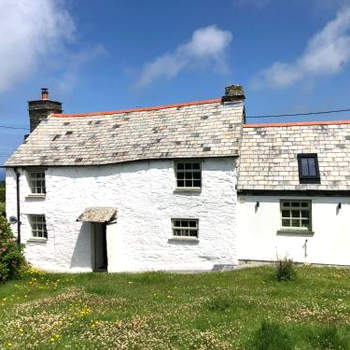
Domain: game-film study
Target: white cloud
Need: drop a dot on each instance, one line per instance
(31, 30)
(207, 46)
(326, 53)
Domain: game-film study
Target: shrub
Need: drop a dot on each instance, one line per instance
(270, 336)
(11, 254)
(285, 270)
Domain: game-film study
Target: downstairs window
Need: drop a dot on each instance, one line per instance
(296, 214)
(38, 225)
(185, 227)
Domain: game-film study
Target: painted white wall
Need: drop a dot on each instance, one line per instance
(143, 193)
(258, 238)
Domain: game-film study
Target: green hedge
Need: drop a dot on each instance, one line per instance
(11, 254)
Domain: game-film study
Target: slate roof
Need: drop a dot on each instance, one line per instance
(268, 155)
(207, 128)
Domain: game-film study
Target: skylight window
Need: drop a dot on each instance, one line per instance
(308, 168)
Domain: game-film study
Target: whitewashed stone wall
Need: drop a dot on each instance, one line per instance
(143, 193)
(258, 238)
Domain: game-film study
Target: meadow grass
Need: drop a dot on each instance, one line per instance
(244, 309)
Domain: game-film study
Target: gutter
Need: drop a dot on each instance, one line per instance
(18, 207)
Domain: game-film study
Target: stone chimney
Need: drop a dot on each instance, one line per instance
(41, 109)
(233, 93)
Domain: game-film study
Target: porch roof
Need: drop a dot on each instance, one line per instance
(98, 214)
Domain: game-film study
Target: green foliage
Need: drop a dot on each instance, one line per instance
(2, 209)
(2, 193)
(270, 336)
(11, 254)
(285, 270)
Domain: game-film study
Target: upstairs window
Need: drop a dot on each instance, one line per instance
(37, 181)
(188, 175)
(38, 225)
(185, 228)
(308, 168)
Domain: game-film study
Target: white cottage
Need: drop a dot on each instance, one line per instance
(128, 190)
(294, 192)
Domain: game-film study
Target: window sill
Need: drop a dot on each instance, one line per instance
(36, 196)
(183, 239)
(188, 190)
(291, 232)
(37, 240)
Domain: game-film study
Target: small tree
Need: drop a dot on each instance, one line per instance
(11, 254)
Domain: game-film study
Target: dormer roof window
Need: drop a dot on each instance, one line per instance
(308, 168)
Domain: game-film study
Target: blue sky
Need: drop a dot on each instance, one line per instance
(290, 56)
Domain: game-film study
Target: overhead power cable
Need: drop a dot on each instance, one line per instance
(12, 127)
(297, 114)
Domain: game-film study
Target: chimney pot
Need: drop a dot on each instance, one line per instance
(44, 94)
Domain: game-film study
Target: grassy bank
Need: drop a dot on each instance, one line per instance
(231, 310)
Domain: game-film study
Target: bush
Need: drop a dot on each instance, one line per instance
(11, 254)
(285, 270)
(270, 336)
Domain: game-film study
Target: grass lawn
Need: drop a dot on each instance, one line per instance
(232, 310)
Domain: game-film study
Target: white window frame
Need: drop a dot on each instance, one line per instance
(303, 207)
(37, 184)
(38, 226)
(185, 167)
(181, 231)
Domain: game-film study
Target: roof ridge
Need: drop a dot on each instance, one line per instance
(138, 109)
(307, 123)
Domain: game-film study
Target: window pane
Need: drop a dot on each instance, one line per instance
(196, 166)
(286, 204)
(188, 166)
(295, 213)
(304, 167)
(305, 213)
(285, 213)
(197, 175)
(286, 222)
(295, 204)
(312, 166)
(184, 223)
(188, 183)
(180, 166)
(305, 223)
(180, 183)
(295, 223)
(180, 175)
(188, 176)
(197, 183)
